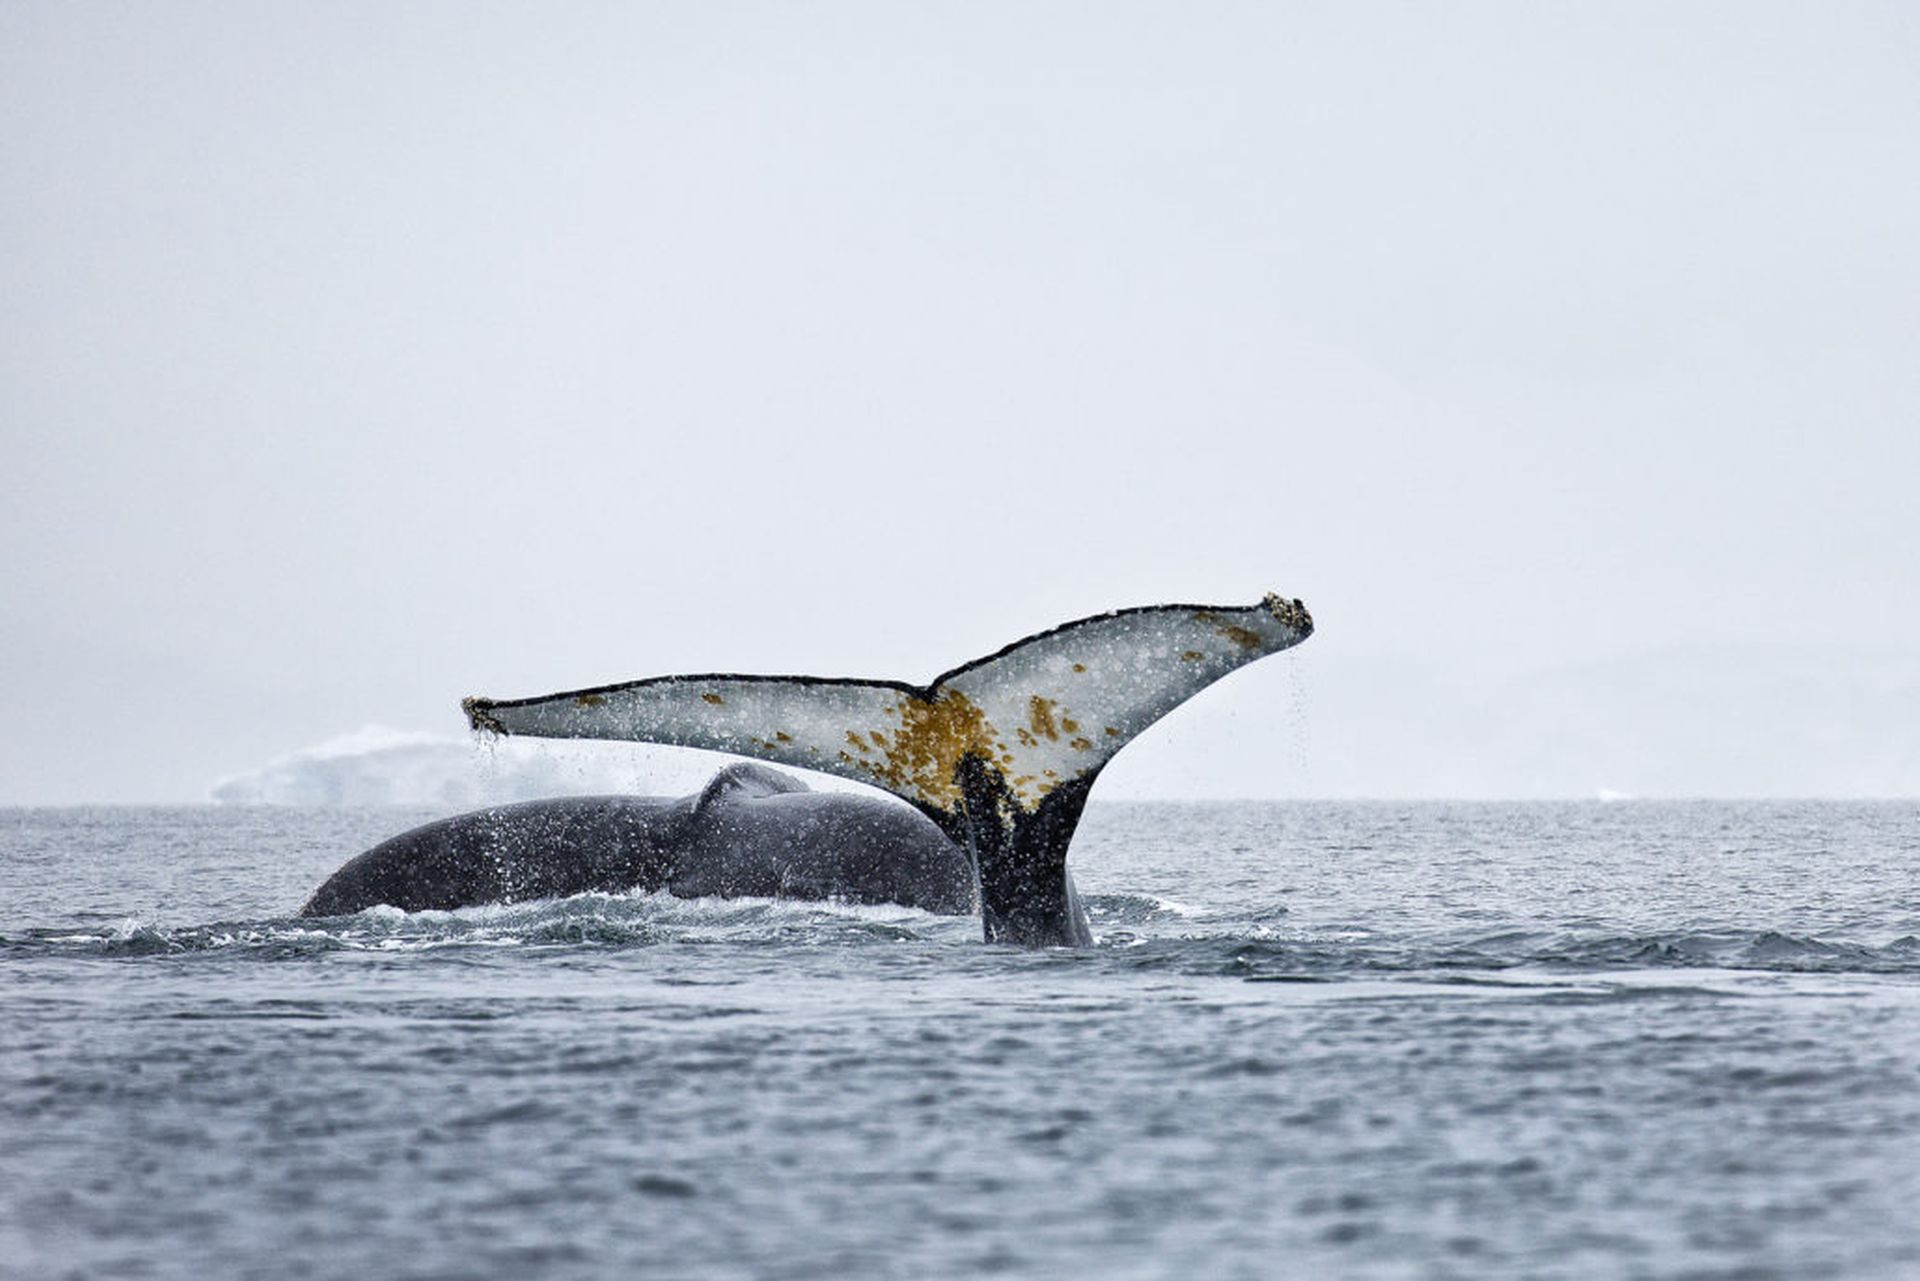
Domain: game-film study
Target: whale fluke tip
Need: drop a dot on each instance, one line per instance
(480, 716)
(1290, 613)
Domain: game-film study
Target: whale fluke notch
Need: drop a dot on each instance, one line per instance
(1000, 752)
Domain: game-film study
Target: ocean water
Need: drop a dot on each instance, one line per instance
(1315, 1040)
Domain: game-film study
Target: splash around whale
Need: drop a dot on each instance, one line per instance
(997, 756)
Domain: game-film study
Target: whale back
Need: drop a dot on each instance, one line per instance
(755, 831)
(534, 849)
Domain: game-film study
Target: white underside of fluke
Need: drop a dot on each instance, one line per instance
(1043, 712)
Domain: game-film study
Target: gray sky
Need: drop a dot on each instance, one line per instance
(354, 358)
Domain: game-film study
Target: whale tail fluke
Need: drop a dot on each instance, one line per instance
(1000, 752)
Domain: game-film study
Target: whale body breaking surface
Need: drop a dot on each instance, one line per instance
(752, 831)
(997, 756)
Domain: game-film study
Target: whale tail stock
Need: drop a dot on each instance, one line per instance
(1000, 752)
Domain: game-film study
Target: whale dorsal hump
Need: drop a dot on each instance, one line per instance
(1041, 714)
(745, 781)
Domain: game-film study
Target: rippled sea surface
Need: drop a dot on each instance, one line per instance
(1315, 1040)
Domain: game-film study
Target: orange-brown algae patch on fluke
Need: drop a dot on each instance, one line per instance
(926, 750)
(714, 698)
(1040, 718)
(590, 700)
(1244, 637)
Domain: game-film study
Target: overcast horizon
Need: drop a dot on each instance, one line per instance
(355, 359)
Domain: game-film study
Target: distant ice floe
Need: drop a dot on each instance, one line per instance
(379, 765)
